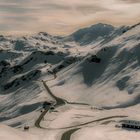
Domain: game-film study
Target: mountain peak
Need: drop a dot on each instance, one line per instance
(89, 34)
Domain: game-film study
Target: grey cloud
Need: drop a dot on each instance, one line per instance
(15, 9)
(131, 1)
(90, 8)
(53, 6)
(15, 1)
(20, 18)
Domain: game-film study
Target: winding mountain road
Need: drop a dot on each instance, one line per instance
(67, 134)
(60, 102)
(37, 123)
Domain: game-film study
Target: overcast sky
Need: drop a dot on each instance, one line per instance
(64, 16)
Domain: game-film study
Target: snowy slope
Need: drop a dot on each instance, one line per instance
(114, 81)
(93, 33)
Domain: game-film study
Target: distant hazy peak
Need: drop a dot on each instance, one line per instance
(87, 35)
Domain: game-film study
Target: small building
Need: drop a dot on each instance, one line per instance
(130, 124)
(47, 105)
(52, 107)
(26, 127)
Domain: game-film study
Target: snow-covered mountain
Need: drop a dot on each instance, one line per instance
(96, 32)
(95, 72)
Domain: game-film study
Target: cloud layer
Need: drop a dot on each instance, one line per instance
(63, 16)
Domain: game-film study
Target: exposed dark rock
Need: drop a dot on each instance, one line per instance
(95, 59)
